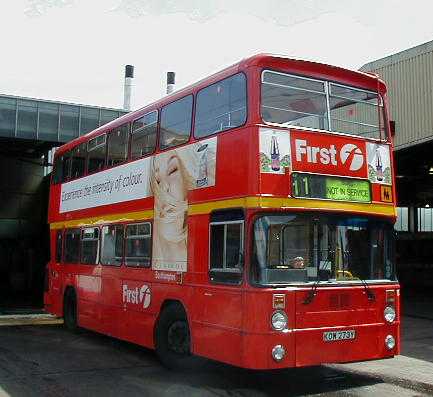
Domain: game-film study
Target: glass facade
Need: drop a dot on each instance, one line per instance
(68, 122)
(8, 111)
(27, 119)
(50, 121)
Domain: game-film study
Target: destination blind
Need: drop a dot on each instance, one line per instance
(330, 188)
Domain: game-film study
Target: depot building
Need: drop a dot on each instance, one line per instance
(29, 130)
(409, 77)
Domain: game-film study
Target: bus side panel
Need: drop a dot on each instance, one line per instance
(139, 298)
(88, 288)
(111, 300)
(217, 323)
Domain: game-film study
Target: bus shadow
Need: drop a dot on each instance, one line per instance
(49, 360)
(205, 377)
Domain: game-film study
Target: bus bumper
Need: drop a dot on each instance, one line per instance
(308, 347)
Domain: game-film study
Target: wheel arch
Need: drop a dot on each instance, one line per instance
(172, 302)
(69, 289)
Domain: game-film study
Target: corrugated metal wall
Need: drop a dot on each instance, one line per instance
(409, 77)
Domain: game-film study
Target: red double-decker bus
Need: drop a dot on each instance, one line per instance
(247, 218)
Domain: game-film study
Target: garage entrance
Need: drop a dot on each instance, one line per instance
(29, 129)
(24, 246)
(414, 170)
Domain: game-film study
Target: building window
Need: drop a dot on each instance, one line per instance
(59, 245)
(425, 219)
(226, 247)
(107, 116)
(78, 161)
(48, 127)
(117, 147)
(402, 222)
(89, 245)
(176, 122)
(221, 106)
(112, 245)
(8, 109)
(69, 121)
(27, 119)
(89, 120)
(138, 244)
(72, 246)
(96, 150)
(143, 139)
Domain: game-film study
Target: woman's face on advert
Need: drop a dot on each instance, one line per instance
(169, 177)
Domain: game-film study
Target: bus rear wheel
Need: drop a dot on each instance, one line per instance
(70, 317)
(172, 338)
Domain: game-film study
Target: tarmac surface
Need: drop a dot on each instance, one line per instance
(47, 360)
(413, 368)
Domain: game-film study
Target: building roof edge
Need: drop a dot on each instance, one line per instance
(399, 56)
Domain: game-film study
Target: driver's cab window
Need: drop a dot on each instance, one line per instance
(289, 246)
(285, 248)
(296, 246)
(226, 247)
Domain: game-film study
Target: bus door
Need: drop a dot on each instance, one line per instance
(220, 311)
(112, 237)
(87, 274)
(136, 289)
(53, 298)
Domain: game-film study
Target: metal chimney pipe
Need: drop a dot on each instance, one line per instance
(170, 82)
(127, 88)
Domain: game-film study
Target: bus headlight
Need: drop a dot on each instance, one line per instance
(390, 342)
(389, 314)
(278, 352)
(279, 320)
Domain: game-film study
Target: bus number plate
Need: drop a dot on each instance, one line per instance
(332, 336)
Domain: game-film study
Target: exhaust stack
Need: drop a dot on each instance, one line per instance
(127, 88)
(170, 82)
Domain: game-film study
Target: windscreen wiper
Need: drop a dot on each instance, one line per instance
(370, 294)
(312, 293)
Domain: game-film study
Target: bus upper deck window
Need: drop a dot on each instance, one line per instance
(117, 147)
(143, 139)
(176, 122)
(221, 106)
(96, 151)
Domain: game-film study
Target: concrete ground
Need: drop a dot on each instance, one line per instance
(413, 368)
(47, 360)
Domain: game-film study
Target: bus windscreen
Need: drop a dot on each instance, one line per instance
(295, 248)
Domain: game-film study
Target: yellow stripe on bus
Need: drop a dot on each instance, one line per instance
(98, 220)
(286, 203)
(245, 202)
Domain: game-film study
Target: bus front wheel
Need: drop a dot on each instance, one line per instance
(70, 310)
(172, 338)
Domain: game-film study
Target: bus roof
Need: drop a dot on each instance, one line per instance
(312, 69)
